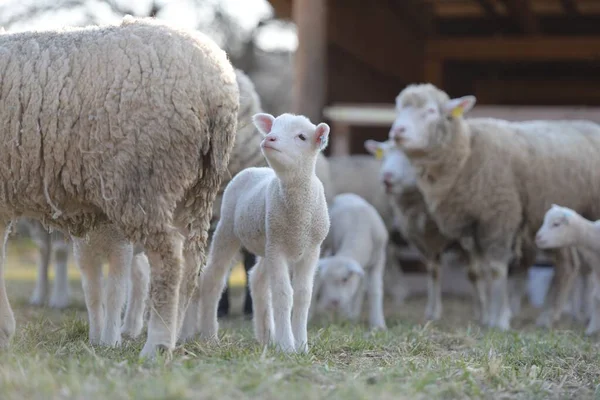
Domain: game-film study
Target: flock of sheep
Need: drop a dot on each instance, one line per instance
(129, 140)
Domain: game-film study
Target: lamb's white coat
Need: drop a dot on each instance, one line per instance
(280, 214)
(357, 240)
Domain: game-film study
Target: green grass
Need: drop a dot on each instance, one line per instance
(51, 359)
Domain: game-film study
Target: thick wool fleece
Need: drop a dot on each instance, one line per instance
(130, 124)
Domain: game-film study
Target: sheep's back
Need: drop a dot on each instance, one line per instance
(115, 121)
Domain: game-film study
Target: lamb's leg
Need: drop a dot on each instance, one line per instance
(165, 254)
(517, 284)
(262, 317)
(433, 310)
(60, 289)
(44, 245)
(7, 318)
(354, 310)
(499, 300)
(91, 281)
(375, 293)
(277, 270)
(223, 249)
(139, 284)
(302, 287)
(594, 306)
(115, 293)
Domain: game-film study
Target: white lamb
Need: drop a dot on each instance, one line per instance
(357, 240)
(280, 214)
(562, 228)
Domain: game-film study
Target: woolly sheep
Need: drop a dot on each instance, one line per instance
(48, 244)
(280, 214)
(486, 180)
(128, 124)
(416, 224)
(353, 221)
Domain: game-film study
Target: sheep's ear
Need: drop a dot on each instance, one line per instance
(263, 122)
(322, 135)
(457, 107)
(355, 268)
(374, 147)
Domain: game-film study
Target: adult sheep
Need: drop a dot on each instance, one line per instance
(130, 125)
(487, 181)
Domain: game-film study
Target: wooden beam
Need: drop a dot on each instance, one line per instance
(538, 91)
(521, 11)
(308, 89)
(488, 7)
(416, 13)
(282, 8)
(515, 49)
(569, 6)
(376, 36)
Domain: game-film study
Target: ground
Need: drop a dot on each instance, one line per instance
(51, 359)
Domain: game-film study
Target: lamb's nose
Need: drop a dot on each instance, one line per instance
(271, 138)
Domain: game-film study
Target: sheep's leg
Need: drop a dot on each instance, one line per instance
(91, 281)
(277, 270)
(191, 322)
(517, 284)
(7, 318)
(499, 300)
(137, 294)
(302, 287)
(479, 283)
(249, 261)
(565, 271)
(433, 310)
(115, 293)
(262, 318)
(44, 245)
(60, 288)
(166, 263)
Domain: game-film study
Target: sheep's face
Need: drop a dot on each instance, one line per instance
(396, 173)
(426, 123)
(557, 230)
(290, 141)
(340, 281)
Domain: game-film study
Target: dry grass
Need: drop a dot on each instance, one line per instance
(50, 358)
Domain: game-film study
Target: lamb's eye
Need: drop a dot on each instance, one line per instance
(345, 279)
(556, 224)
(302, 137)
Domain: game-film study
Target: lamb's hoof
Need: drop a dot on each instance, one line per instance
(6, 335)
(544, 320)
(151, 351)
(378, 328)
(591, 329)
(302, 348)
(59, 301)
(433, 315)
(112, 341)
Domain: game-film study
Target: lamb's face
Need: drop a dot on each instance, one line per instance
(425, 123)
(290, 140)
(340, 279)
(396, 173)
(557, 229)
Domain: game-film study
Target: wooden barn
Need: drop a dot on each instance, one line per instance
(523, 59)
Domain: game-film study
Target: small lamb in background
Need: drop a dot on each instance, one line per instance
(280, 214)
(357, 240)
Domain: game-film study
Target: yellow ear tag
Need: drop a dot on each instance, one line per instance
(379, 154)
(457, 111)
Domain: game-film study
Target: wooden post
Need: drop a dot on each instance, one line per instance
(308, 89)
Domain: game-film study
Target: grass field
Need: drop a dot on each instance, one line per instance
(50, 357)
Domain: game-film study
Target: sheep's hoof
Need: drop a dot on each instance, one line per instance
(131, 332)
(150, 351)
(59, 301)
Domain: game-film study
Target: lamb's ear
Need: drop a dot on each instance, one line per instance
(356, 269)
(263, 122)
(322, 135)
(374, 147)
(457, 107)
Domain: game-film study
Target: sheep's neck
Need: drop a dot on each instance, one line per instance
(410, 198)
(589, 234)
